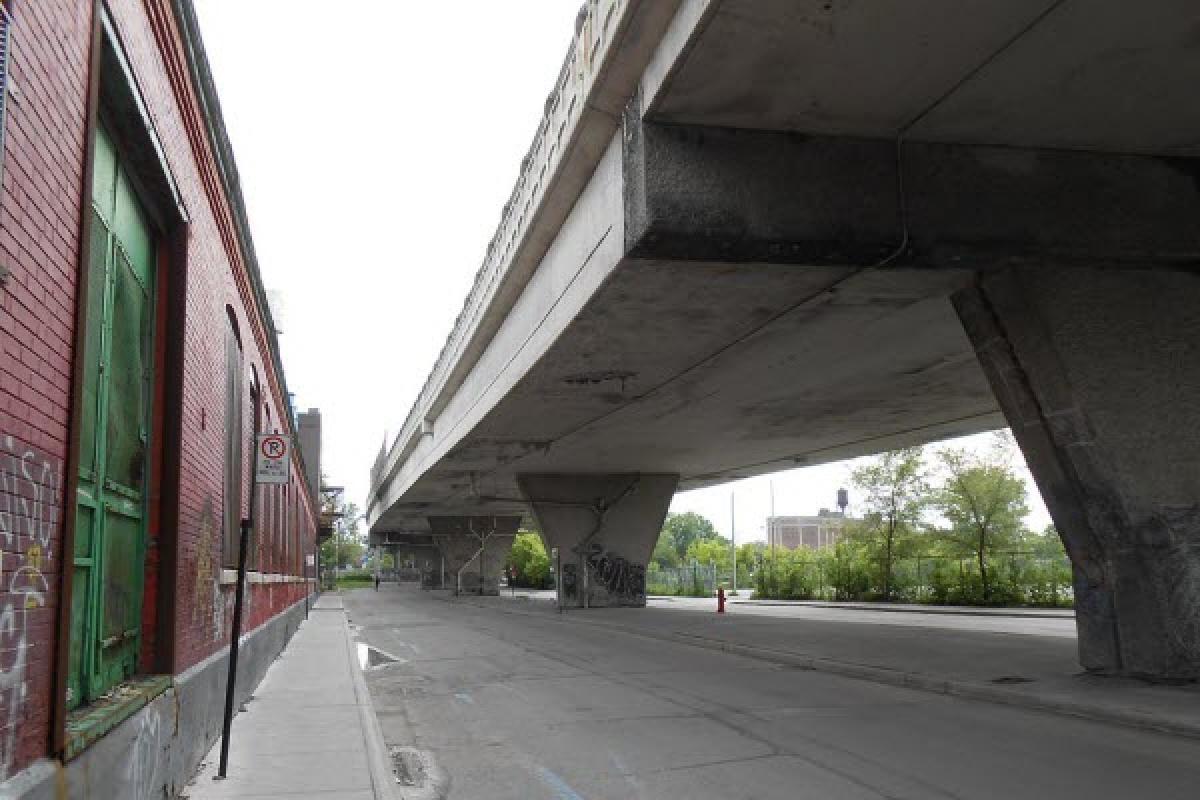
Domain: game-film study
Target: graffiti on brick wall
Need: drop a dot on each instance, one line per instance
(29, 516)
(623, 580)
(207, 606)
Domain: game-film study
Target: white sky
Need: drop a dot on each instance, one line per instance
(377, 143)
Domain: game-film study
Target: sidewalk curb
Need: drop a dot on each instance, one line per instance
(1128, 718)
(883, 608)
(383, 782)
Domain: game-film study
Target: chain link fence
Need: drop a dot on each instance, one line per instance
(1013, 578)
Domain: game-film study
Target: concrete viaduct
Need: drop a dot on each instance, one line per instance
(755, 234)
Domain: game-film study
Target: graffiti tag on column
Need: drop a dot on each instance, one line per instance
(623, 579)
(570, 580)
(29, 514)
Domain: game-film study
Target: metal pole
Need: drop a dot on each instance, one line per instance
(558, 578)
(239, 597)
(733, 539)
(231, 678)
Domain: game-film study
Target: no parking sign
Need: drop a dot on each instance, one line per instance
(273, 458)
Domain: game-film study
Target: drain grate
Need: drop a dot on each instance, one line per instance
(416, 772)
(406, 767)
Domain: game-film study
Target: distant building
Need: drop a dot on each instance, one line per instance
(815, 533)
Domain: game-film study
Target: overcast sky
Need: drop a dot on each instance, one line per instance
(377, 143)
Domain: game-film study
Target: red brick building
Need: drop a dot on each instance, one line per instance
(137, 360)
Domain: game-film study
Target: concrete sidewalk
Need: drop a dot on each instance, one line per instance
(1032, 671)
(310, 730)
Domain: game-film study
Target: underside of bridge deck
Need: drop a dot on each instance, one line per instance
(827, 229)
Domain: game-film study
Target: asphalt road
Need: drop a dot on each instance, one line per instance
(533, 706)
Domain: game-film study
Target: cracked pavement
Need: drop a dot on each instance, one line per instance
(527, 707)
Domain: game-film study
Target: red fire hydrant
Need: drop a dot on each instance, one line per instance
(720, 599)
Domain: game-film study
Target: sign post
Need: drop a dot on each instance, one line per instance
(309, 561)
(272, 462)
(274, 455)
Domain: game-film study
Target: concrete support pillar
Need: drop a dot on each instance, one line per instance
(475, 550)
(605, 528)
(1098, 372)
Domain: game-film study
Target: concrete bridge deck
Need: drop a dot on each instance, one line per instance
(755, 234)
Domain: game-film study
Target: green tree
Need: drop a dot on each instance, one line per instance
(684, 529)
(665, 555)
(710, 551)
(529, 560)
(345, 548)
(749, 555)
(894, 491)
(983, 499)
(1047, 544)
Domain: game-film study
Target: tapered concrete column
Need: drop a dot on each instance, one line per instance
(475, 550)
(1098, 372)
(605, 528)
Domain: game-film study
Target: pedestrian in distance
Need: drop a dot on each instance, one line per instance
(377, 581)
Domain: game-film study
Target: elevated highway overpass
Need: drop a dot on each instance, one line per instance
(756, 234)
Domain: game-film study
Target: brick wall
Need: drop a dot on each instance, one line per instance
(216, 280)
(39, 223)
(39, 243)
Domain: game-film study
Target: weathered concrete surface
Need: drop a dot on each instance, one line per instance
(712, 194)
(1098, 373)
(604, 527)
(758, 271)
(475, 550)
(541, 707)
(1026, 73)
(1017, 660)
(310, 730)
(155, 752)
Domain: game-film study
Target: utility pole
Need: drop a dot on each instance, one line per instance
(733, 538)
(771, 532)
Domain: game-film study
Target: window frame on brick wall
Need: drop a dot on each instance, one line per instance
(234, 441)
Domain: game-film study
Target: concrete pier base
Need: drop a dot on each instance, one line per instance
(474, 550)
(1098, 373)
(605, 527)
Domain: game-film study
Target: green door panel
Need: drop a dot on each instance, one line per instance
(104, 175)
(121, 589)
(129, 392)
(93, 345)
(110, 505)
(130, 228)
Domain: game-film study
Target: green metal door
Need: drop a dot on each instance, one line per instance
(110, 526)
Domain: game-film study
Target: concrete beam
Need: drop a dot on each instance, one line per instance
(1098, 372)
(711, 194)
(475, 550)
(605, 527)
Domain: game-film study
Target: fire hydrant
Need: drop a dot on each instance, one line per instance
(720, 599)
